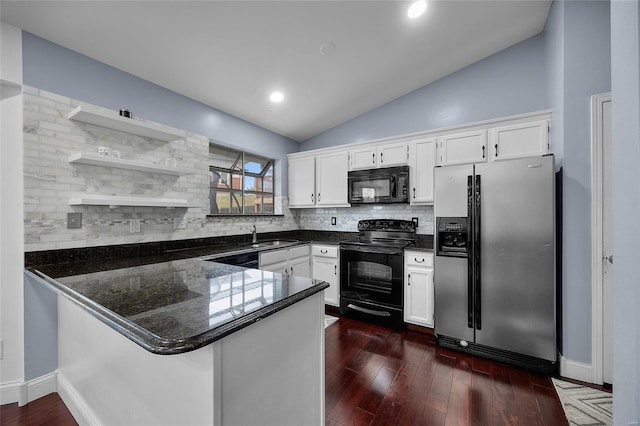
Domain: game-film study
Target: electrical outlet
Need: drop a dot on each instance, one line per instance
(415, 221)
(74, 220)
(180, 222)
(333, 220)
(134, 225)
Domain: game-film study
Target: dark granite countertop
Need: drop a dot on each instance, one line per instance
(165, 298)
(177, 305)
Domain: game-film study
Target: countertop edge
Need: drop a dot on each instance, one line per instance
(153, 343)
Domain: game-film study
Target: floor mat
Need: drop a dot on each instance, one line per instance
(584, 405)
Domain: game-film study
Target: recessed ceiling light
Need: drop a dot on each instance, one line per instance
(416, 9)
(276, 97)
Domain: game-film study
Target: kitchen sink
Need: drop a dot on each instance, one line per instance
(263, 245)
(275, 243)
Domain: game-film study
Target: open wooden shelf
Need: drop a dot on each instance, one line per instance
(110, 119)
(95, 159)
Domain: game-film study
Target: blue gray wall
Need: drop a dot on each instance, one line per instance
(40, 328)
(507, 83)
(579, 65)
(56, 69)
(625, 69)
(559, 69)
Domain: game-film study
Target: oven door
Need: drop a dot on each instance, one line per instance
(371, 276)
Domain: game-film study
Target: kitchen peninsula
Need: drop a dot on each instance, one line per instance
(188, 341)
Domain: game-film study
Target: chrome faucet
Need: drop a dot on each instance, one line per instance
(254, 238)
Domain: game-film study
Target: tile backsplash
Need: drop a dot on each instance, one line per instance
(347, 218)
(50, 181)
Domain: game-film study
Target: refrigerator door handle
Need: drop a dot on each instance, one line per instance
(476, 252)
(470, 280)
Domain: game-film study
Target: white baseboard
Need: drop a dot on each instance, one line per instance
(10, 392)
(75, 403)
(576, 370)
(25, 392)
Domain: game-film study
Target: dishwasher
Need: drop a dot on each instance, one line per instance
(246, 260)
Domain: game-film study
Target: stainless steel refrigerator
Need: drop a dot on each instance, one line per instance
(495, 291)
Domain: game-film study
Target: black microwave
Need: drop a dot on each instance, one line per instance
(388, 185)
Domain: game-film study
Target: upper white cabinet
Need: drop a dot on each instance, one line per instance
(462, 148)
(319, 180)
(519, 140)
(422, 154)
(373, 156)
(302, 181)
(331, 179)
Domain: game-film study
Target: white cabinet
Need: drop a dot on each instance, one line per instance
(385, 155)
(292, 261)
(325, 267)
(422, 155)
(319, 180)
(519, 140)
(419, 289)
(302, 183)
(462, 148)
(331, 179)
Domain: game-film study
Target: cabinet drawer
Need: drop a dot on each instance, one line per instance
(325, 251)
(273, 256)
(418, 258)
(298, 251)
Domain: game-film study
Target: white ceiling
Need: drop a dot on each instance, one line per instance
(232, 54)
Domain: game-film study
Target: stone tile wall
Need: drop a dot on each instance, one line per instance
(347, 218)
(50, 180)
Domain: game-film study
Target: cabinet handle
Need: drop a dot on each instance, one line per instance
(408, 279)
(414, 193)
(381, 158)
(318, 197)
(496, 146)
(418, 261)
(335, 269)
(291, 271)
(483, 151)
(323, 251)
(312, 197)
(374, 158)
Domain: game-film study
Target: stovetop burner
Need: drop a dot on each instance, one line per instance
(388, 235)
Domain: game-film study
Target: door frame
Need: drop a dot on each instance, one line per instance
(597, 345)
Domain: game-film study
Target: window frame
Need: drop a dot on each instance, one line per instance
(234, 171)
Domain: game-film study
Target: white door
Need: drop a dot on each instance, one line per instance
(519, 140)
(300, 267)
(607, 282)
(419, 296)
(363, 158)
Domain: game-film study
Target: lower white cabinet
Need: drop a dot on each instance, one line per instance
(418, 288)
(325, 267)
(292, 261)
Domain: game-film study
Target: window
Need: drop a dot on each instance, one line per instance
(239, 183)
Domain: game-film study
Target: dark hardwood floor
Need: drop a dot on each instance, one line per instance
(376, 376)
